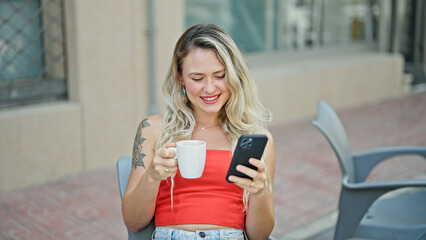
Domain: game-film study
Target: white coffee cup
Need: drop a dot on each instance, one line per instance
(191, 157)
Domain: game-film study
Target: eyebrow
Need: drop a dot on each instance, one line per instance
(196, 73)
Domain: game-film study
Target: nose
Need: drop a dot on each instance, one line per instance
(209, 86)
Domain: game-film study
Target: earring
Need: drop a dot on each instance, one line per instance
(183, 92)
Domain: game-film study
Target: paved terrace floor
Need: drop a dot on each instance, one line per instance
(307, 180)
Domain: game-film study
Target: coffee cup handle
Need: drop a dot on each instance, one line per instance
(174, 150)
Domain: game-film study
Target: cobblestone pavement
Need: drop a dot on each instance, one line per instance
(307, 181)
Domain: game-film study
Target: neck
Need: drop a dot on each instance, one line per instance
(207, 123)
(206, 119)
(211, 123)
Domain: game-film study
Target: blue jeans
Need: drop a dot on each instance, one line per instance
(165, 233)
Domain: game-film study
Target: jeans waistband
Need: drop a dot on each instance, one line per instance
(165, 233)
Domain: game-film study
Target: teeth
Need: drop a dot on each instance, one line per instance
(211, 98)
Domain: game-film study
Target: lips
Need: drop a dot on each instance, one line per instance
(210, 99)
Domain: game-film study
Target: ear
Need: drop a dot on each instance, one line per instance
(181, 79)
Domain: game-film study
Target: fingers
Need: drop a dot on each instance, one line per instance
(257, 183)
(171, 145)
(167, 167)
(163, 165)
(257, 163)
(164, 169)
(251, 172)
(254, 187)
(165, 153)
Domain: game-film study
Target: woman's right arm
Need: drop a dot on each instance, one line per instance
(148, 169)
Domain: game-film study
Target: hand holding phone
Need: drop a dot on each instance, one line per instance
(248, 146)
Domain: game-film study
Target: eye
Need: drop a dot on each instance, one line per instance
(197, 79)
(221, 76)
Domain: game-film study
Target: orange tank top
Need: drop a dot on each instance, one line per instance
(209, 199)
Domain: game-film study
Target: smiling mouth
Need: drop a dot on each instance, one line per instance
(210, 99)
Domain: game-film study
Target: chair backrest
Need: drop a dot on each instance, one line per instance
(124, 166)
(330, 125)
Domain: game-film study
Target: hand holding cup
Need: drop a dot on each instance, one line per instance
(164, 164)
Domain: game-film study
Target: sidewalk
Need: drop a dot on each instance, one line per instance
(307, 180)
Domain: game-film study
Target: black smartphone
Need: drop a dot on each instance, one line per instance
(248, 146)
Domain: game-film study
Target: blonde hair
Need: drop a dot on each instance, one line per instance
(243, 113)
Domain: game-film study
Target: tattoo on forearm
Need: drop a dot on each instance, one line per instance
(138, 156)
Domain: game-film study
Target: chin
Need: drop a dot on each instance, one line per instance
(214, 109)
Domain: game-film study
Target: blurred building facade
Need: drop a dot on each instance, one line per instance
(77, 77)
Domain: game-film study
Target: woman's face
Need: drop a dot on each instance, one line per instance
(203, 76)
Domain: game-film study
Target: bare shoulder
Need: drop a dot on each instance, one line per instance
(151, 125)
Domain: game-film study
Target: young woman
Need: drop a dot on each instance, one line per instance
(210, 97)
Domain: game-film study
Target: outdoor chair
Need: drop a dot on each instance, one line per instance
(124, 165)
(361, 213)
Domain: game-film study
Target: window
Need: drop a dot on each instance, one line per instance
(288, 24)
(32, 52)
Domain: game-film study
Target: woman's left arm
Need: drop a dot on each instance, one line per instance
(260, 213)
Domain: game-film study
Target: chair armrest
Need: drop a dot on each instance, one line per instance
(364, 194)
(364, 162)
(385, 185)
